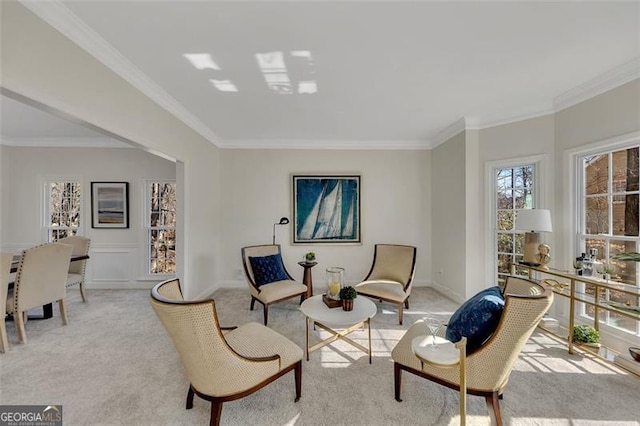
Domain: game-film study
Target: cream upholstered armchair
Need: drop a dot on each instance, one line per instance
(489, 367)
(268, 279)
(5, 269)
(40, 279)
(222, 365)
(391, 276)
(77, 269)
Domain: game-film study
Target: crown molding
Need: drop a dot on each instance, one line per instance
(460, 125)
(323, 144)
(62, 19)
(61, 142)
(526, 113)
(623, 74)
(56, 14)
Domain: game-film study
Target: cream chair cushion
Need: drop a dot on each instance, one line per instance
(391, 276)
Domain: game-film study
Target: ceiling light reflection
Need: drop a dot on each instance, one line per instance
(277, 76)
(224, 85)
(307, 87)
(202, 61)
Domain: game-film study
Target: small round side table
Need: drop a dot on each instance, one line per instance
(447, 354)
(306, 278)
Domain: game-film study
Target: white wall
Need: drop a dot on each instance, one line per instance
(41, 64)
(532, 138)
(256, 192)
(448, 236)
(117, 255)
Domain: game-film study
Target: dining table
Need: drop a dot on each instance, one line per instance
(47, 310)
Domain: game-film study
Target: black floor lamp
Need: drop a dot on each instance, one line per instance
(283, 221)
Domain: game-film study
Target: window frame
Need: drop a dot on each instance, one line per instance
(607, 147)
(146, 229)
(539, 163)
(45, 211)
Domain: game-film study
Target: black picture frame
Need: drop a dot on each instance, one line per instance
(110, 205)
(326, 208)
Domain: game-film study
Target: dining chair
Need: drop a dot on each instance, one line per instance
(5, 268)
(267, 278)
(222, 363)
(390, 278)
(77, 269)
(40, 279)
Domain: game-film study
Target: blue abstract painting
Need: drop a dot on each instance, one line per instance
(326, 209)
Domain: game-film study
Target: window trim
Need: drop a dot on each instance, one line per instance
(572, 161)
(146, 227)
(572, 158)
(45, 197)
(540, 163)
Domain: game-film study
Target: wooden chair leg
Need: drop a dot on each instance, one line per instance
(253, 303)
(397, 380)
(18, 318)
(216, 412)
(265, 313)
(400, 313)
(4, 341)
(298, 375)
(83, 293)
(190, 398)
(406, 303)
(494, 408)
(63, 312)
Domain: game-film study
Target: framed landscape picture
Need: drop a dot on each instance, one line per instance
(109, 204)
(326, 209)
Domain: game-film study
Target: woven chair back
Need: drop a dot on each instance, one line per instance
(213, 368)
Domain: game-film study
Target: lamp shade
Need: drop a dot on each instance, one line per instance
(533, 220)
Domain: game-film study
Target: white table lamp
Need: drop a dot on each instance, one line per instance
(532, 222)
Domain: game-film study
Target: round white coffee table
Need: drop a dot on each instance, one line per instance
(332, 319)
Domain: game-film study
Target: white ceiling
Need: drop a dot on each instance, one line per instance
(386, 73)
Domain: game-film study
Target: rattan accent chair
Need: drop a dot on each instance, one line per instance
(40, 279)
(5, 272)
(78, 268)
(268, 294)
(222, 364)
(488, 368)
(391, 276)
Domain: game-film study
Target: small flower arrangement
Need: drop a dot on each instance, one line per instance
(310, 257)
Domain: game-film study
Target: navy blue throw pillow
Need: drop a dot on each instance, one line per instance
(267, 269)
(477, 318)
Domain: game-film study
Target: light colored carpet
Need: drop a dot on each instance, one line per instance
(114, 364)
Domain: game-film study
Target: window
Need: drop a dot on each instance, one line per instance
(62, 209)
(513, 190)
(608, 221)
(161, 227)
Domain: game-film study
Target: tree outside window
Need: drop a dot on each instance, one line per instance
(62, 215)
(514, 188)
(161, 224)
